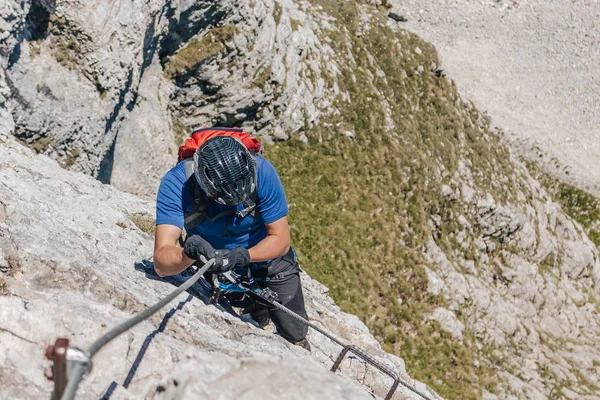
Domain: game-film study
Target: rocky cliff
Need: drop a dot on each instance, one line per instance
(74, 262)
(94, 82)
(402, 199)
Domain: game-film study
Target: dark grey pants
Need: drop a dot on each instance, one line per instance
(283, 277)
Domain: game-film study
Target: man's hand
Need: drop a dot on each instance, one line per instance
(226, 260)
(199, 249)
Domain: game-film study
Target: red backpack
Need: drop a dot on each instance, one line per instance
(200, 136)
(199, 211)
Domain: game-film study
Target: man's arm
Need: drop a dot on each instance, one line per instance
(171, 260)
(168, 258)
(276, 244)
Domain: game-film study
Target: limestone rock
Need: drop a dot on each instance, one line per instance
(145, 148)
(75, 71)
(534, 283)
(271, 60)
(111, 91)
(84, 267)
(85, 78)
(449, 322)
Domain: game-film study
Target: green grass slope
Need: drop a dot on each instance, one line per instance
(360, 206)
(580, 205)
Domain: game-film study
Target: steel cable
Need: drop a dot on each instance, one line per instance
(79, 369)
(339, 342)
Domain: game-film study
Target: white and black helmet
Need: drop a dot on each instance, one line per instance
(225, 170)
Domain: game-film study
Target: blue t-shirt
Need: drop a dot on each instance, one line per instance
(175, 198)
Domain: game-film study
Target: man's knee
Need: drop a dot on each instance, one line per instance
(290, 294)
(289, 327)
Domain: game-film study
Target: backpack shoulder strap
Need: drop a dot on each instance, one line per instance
(199, 211)
(188, 164)
(250, 205)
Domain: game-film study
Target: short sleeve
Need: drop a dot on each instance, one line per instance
(272, 204)
(169, 208)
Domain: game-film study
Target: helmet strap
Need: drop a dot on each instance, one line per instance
(249, 206)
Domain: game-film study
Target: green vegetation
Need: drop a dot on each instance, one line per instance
(594, 236)
(66, 48)
(72, 156)
(145, 223)
(14, 265)
(277, 12)
(386, 4)
(34, 48)
(578, 204)
(295, 24)
(102, 92)
(262, 77)
(65, 51)
(14, 269)
(180, 130)
(57, 24)
(359, 208)
(42, 144)
(3, 287)
(197, 51)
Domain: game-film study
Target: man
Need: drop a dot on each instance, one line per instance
(245, 226)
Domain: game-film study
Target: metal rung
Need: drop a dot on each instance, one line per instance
(370, 360)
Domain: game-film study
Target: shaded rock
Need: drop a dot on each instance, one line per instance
(145, 147)
(77, 78)
(397, 17)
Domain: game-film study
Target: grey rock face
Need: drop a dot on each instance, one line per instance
(531, 297)
(53, 99)
(6, 121)
(75, 77)
(144, 147)
(449, 322)
(79, 269)
(91, 83)
(12, 18)
(107, 90)
(267, 74)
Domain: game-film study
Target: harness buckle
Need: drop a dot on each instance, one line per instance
(269, 295)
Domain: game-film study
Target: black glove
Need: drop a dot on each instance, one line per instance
(197, 248)
(226, 260)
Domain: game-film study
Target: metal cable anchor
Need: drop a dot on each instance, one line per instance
(64, 360)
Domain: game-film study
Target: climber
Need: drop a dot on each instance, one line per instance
(232, 205)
